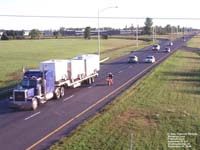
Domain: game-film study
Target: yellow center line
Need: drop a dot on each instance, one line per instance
(89, 108)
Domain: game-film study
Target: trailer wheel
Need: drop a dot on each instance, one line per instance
(92, 79)
(57, 93)
(62, 91)
(34, 103)
(89, 81)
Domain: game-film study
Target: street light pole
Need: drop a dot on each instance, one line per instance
(99, 32)
(137, 35)
(99, 44)
(153, 35)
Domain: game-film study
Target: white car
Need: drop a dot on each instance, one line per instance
(170, 44)
(167, 49)
(132, 59)
(156, 47)
(150, 59)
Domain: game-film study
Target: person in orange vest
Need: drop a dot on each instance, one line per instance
(110, 79)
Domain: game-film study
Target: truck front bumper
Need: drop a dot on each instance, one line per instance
(20, 105)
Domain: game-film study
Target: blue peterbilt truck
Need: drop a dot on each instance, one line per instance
(36, 87)
(48, 82)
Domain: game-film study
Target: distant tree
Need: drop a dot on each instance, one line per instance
(56, 34)
(87, 33)
(168, 28)
(62, 31)
(160, 30)
(4, 36)
(148, 26)
(35, 34)
(178, 28)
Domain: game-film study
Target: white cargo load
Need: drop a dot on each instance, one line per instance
(76, 69)
(59, 67)
(91, 63)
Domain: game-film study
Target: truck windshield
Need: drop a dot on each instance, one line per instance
(29, 83)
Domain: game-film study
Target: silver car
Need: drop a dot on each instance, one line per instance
(132, 59)
(170, 44)
(156, 47)
(167, 49)
(150, 59)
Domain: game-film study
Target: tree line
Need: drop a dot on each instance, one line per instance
(147, 29)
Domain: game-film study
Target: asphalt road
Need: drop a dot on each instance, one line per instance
(20, 130)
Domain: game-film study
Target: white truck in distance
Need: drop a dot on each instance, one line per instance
(39, 86)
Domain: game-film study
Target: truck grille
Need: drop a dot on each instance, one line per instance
(19, 96)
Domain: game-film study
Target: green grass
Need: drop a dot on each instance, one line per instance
(17, 53)
(195, 42)
(166, 101)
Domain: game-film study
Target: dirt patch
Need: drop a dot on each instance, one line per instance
(143, 118)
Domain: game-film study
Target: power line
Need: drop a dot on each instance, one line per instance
(92, 17)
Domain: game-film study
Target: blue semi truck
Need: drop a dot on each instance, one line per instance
(48, 82)
(35, 88)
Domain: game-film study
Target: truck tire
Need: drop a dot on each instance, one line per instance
(92, 79)
(57, 93)
(62, 91)
(34, 103)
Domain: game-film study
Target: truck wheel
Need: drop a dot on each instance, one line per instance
(62, 91)
(34, 103)
(57, 93)
(92, 79)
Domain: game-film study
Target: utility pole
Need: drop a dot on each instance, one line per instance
(131, 146)
(137, 35)
(153, 35)
(99, 30)
(171, 32)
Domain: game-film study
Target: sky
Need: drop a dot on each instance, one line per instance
(89, 8)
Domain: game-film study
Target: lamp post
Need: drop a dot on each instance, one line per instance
(99, 11)
(137, 35)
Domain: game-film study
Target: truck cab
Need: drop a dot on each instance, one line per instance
(36, 87)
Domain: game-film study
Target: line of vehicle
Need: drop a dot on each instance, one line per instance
(68, 98)
(33, 115)
(92, 106)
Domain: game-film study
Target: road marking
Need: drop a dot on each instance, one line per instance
(68, 98)
(120, 71)
(32, 116)
(91, 86)
(92, 106)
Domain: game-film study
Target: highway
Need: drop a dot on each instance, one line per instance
(20, 130)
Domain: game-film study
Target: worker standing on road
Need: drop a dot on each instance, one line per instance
(110, 79)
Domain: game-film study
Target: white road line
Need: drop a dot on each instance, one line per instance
(33, 115)
(68, 98)
(120, 71)
(91, 86)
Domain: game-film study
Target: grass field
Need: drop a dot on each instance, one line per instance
(195, 42)
(165, 102)
(17, 53)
